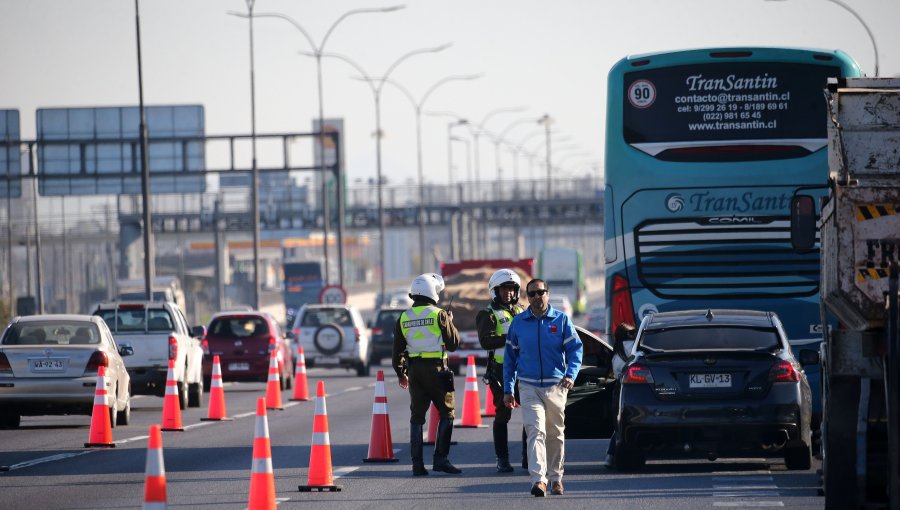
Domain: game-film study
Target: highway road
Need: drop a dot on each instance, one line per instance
(208, 465)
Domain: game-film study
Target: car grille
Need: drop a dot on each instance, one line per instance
(697, 258)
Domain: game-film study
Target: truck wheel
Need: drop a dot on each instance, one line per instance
(362, 370)
(182, 395)
(113, 415)
(797, 456)
(839, 443)
(195, 394)
(629, 458)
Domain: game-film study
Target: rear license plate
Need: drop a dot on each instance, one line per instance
(327, 360)
(49, 365)
(235, 367)
(710, 380)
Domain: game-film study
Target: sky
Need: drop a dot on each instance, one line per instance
(545, 56)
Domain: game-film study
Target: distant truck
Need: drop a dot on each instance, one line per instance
(303, 282)
(158, 332)
(163, 288)
(563, 270)
(466, 293)
(859, 234)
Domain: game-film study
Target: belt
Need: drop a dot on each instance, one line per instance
(430, 361)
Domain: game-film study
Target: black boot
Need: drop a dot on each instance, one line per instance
(415, 449)
(524, 449)
(442, 448)
(501, 448)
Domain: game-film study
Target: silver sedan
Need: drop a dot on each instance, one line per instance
(48, 365)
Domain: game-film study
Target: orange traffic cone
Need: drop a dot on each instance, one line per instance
(433, 419)
(101, 426)
(171, 414)
(216, 410)
(273, 386)
(262, 477)
(301, 389)
(321, 477)
(471, 415)
(155, 472)
(381, 448)
(489, 408)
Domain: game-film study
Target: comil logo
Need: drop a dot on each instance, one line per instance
(674, 202)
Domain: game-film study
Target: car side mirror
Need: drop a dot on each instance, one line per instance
(803, 222)
(198, 331)
(809, 357)
(126, 350)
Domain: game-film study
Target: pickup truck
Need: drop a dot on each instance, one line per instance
(158, 332)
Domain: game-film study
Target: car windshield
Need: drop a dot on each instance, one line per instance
(709, 338)
(52, 333)
(318, 316)
(239, 327)
(137, 319)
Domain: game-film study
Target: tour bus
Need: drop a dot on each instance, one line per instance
(704, 150)
(563, 270)
(303, 281)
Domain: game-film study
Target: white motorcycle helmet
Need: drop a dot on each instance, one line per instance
(504, 277)
(428, 285)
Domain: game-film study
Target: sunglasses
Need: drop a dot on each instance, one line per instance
(535, 293)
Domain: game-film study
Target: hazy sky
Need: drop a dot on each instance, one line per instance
(549, 55)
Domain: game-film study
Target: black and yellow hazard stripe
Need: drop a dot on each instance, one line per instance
(870, 273)
(873, 211)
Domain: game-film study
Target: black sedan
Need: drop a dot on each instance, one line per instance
(589, 410)
(713, 383)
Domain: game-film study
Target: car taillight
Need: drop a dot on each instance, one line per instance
(356, 334)
(377, 331)
(783, 371)
(98, 359)
(204, 344)
(296, 332)
(621, 306)
(173, 347)
(272, 345)
(5, 368)
(638, 374)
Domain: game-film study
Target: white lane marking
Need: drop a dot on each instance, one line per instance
(341, 471)
(52, 458)
(744, 487)
(748, 504)
(351, 388)
(750, 478)
(244, 415)
(747, 494)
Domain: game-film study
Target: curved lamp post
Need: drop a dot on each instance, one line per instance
(317, 53)
(417, 107)
(501, 138)
(376, 85)
(479, 130)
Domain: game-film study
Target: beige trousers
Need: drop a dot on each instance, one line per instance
(544, 414)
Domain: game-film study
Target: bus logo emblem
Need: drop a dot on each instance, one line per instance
(674, 202)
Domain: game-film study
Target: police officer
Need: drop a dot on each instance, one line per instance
(423, 335)
(492, 323)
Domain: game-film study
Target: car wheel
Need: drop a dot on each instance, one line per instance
(195, 394)
(124, 416)
(309, 364)
(9, 420)
(329, 339)
(207, 384)
(288, 379)
(182, 395)
(113, 415)
(797, 456)
(629, 458)
(362, 370)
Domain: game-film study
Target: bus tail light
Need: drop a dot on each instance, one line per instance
(621, 307)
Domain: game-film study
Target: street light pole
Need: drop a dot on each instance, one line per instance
(149, 254)
(499, 139)
(546, 120)
(417, 107)
(326, 213)
(376, 92)
(479, 128)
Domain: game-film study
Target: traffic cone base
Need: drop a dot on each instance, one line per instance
(381, 447)
(321, 476)
(471, 413)
(100, 435)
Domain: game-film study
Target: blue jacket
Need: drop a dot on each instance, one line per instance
(541, 350)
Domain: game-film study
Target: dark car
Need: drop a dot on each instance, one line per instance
(383, 332)
(589, 410)
(243, 341)
(713, 383)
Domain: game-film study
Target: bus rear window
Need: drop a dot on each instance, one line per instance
(735, 111)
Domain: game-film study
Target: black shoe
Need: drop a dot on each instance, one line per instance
(503, 465)
(539, 489)
(419, 470)
(446, 467)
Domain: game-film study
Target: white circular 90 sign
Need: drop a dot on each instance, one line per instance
(641, 93)
(333, 295)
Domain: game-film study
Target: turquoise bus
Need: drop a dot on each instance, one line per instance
(704, 150)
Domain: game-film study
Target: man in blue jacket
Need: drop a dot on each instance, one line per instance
(543, 352)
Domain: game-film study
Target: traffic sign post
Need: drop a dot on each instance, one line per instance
(333, 295)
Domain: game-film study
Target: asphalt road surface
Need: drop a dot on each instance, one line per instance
(44, 464)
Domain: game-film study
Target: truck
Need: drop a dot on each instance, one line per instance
(859, 242)
(163, 288)
(466, 292)
(563, 270)
(303, 281)
(158, 333)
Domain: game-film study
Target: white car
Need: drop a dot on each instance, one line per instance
(332, 336)
(561, 303)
